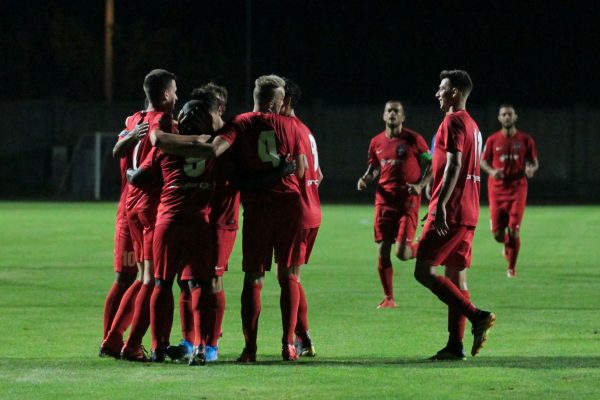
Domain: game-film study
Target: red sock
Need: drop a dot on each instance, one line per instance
(447, 292)
(288, 302)
(160, 309)
(197, 310)
(216, 317)
(250, 312)
(457, 322)
(186, 315)
(207, 313)
(386, 274)
(512, 247)
(124, 314)
(302, 321)
(141, 316)
(111, 305)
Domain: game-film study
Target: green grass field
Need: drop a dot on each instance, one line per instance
(56, 267)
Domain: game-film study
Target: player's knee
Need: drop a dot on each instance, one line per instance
(513, 234)
(499, 236)
(404, 253)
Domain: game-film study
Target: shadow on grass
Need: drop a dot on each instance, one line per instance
(542, 362)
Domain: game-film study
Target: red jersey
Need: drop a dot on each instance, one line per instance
(260, 142)
(225, 204)
(397, 159)
(458, 133)
(309, 183)
(121, 209)
(509, 154)
(187, 188)
(147, 198)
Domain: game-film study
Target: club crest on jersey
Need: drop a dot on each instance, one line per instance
(516, 146)
(401, 151)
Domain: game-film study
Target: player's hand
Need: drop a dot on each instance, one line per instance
(139, 131)
(361, 184)
(286, 167)
(415, 189)
(529, 170)
(440, 224)
(497, 174)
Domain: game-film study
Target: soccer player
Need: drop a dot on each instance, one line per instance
(125, 286)
(224, 221)
(311, 213)
(400, 158)
(161, 94)
(261, 141)
(509, 158)
(183, 239)
(453, 212)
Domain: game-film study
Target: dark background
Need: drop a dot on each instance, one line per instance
(348, 56)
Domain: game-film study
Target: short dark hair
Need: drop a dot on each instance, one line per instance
(459, 79)
(155, 83)
(394, 101)
(293, 91)
(218, 91)
(210, 96)
(505, 105)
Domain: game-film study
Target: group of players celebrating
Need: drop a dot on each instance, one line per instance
(182, 183)
(450, 176)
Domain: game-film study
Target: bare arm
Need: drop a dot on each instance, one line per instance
(368, 177)
(320, 176)
(122, 146)
(426, 175)
(494, 173)
(301, 165)
(451, 172)
(188, 145)
(531, 168)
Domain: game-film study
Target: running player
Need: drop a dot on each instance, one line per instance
(509, 158)
(399, 157)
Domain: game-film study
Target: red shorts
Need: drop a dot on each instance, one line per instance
(124, 258)
(395, 226)
(141, 227)
(184, 249)
(307, 241)
(270, 225)
(507, 208)
(224, 240)
(452, 250)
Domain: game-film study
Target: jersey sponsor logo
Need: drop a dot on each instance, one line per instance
(384, 162)
(310, 182)
(513, 157)
(475, 178)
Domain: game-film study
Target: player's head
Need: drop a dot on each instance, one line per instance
(455, 87)
(161, 89)
(214, 97)
(292, 97)
(393, 114)
(269, 91)
(507, 115)
(218, 91)
(195, 118)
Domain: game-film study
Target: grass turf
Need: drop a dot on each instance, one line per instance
(55, 270)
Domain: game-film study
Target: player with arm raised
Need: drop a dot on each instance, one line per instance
(160, 88)
(400, 158)
(509, 158)
(453, 213)
(311, 216)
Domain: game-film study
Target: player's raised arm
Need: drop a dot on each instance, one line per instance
(129, 139)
